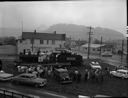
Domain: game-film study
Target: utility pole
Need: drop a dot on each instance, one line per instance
(100, 45)
(127, 49)
(122, 51)
(89, 41)
(33, 40)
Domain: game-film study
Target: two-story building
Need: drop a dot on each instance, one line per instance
(35, 41)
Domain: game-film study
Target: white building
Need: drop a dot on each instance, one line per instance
(33, 41)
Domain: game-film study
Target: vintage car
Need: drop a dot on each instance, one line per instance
(122, 73)
(95, 65)
(29, 79)
(5, 76)
(62, 75)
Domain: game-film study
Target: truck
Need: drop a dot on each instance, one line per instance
(62, 75)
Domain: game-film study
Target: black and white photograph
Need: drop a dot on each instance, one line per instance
(63, 49)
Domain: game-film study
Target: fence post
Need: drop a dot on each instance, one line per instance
(12, 94)
(22, 96)
(4, 94)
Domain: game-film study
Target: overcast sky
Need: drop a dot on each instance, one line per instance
(104, 13)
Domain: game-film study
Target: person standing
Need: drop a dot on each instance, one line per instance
(1, 64)
(86, 75)
(78, 77)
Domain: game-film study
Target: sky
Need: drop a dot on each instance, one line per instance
(42, 14)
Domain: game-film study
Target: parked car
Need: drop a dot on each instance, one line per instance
(5, 76)
(122, 73)
(29, 79)
(107, 54)
(95, 65)
(62, 75)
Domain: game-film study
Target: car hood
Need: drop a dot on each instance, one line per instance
(5, 75)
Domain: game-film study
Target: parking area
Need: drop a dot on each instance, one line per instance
(110, 86)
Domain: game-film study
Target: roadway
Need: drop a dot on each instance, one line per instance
(36, 92)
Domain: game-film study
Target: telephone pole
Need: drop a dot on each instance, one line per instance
(122, 51)
(89, 41)
(127, 49)
(100, 45)
(33, 37)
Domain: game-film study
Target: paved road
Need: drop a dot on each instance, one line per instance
(36, 92)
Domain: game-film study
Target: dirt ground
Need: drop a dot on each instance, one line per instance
(111, 86)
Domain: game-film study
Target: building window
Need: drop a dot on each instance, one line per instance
(47, 41)
(53, 41)
(41, 41)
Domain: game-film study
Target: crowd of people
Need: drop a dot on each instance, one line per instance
(38, 70)
(96, 75)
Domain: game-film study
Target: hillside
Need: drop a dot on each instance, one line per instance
(81, 32)
(71, 30)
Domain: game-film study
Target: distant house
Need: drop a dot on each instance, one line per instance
(34, 41)
(95, 48)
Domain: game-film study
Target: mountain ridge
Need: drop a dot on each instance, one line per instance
(81, 31)
(71, 30)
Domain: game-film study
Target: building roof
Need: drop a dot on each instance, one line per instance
(43, 36)
(92, 45)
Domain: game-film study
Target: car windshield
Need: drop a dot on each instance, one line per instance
(64, 74)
